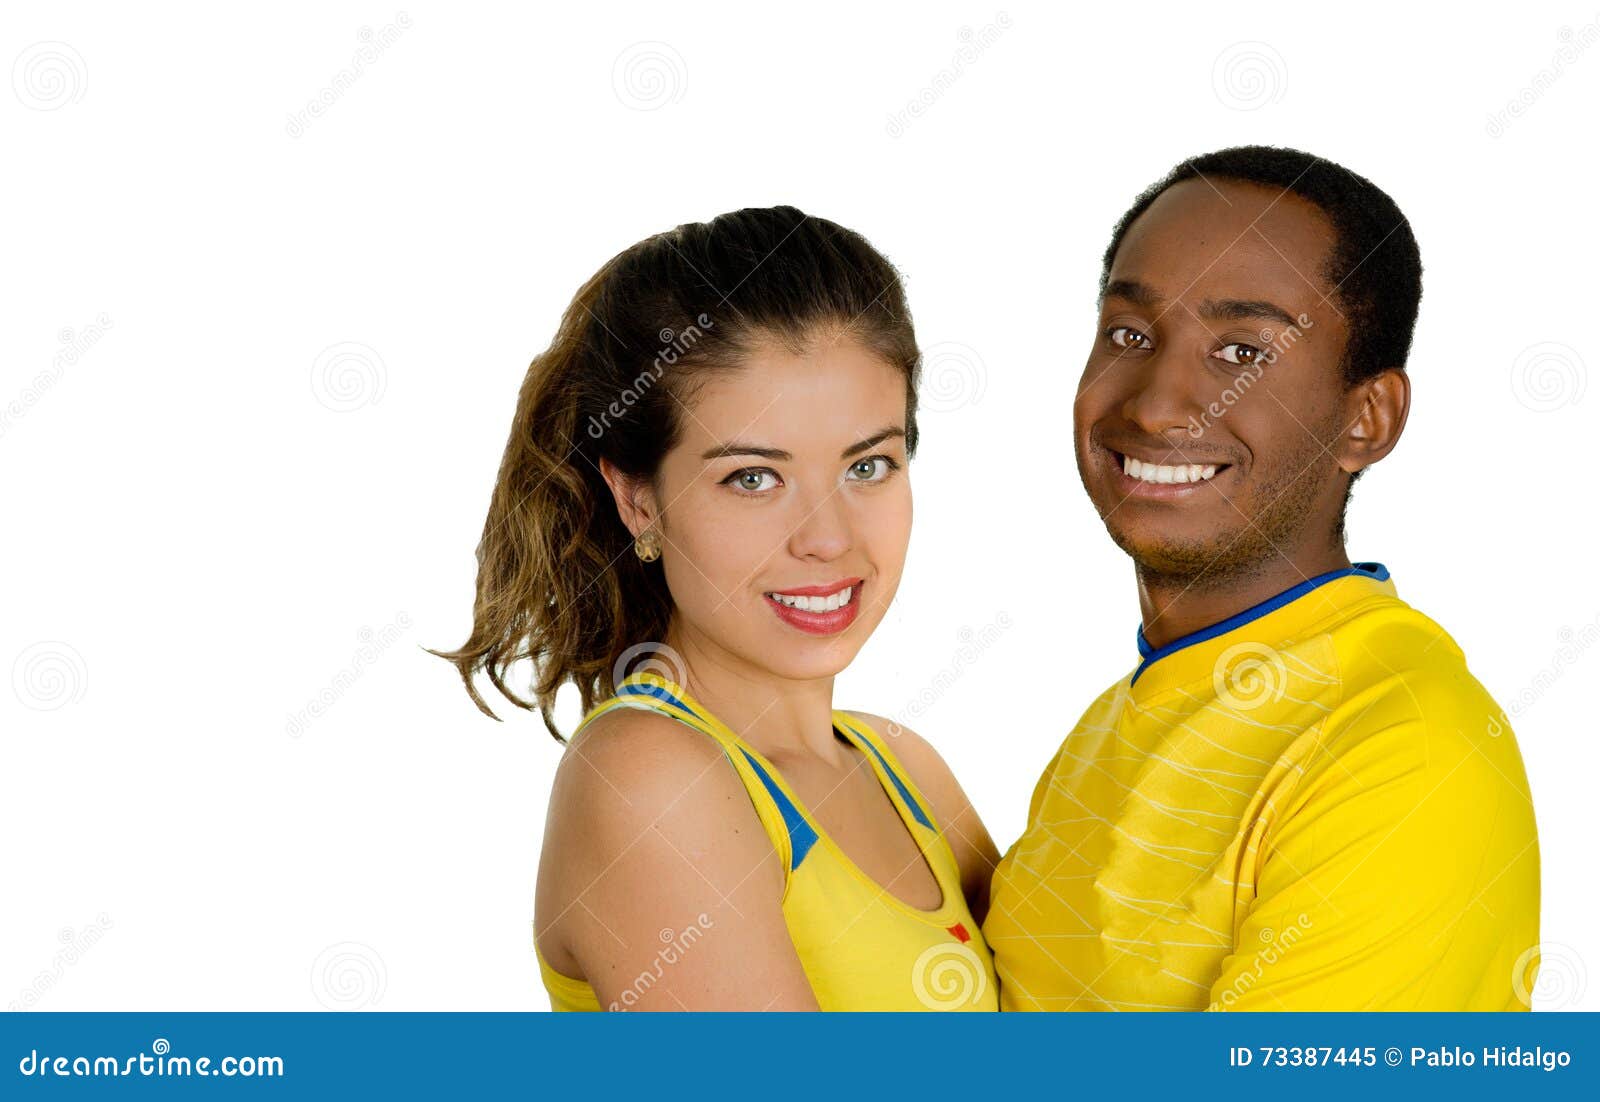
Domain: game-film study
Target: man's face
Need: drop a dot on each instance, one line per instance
(1213, 391)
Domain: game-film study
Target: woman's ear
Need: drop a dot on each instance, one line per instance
(1375, 413)
(635, 502)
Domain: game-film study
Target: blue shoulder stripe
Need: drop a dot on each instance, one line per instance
(801, 836)
(905, 793)
(643, 688)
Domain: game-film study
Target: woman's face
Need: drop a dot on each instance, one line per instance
(785, 508)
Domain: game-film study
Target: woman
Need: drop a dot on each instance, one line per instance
(707, 478)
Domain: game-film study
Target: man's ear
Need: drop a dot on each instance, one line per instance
(1375, 413)
(635, 502)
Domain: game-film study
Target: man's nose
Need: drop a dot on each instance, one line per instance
(1165, 395)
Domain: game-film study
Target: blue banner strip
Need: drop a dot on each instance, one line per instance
(817, 1057)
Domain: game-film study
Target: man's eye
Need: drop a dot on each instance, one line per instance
(1239, 353)
(1125, 336)
(752, 480)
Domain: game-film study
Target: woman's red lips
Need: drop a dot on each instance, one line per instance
(817, 590)
(793, 606)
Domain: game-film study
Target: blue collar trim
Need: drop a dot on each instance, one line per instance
(1374, 570)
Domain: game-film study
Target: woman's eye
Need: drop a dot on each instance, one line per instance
(752, 480)
(1125, 336)
(873, 469)
(1239, 353)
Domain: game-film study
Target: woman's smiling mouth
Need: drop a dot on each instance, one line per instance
(818, 609)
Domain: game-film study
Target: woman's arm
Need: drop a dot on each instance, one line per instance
(959, 821)
(657, 883)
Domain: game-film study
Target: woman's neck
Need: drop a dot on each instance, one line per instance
(778, 716)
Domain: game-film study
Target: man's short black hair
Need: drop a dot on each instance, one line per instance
(1374, 268)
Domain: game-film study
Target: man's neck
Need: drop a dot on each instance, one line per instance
(1172, 607)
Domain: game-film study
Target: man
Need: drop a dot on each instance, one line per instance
(1299, 799)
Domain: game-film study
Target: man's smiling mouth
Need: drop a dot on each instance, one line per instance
(1150, 473)
(1158, 472)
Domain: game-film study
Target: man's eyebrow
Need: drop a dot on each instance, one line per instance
(1135, 292)
(722, 451)
(1234, 309)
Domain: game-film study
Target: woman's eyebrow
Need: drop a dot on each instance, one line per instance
(736, 447)
(876, 438)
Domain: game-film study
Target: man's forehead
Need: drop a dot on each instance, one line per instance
(1225, 239)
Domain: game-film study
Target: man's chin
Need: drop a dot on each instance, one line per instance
(1172, 555)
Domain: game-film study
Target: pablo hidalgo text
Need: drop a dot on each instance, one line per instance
(1501, 1057)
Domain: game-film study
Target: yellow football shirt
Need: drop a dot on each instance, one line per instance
(1309, 806)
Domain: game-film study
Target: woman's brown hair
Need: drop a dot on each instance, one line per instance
(558, 582)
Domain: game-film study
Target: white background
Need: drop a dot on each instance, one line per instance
(295, 350)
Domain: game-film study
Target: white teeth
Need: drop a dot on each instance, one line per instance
(829, 603)
(1155, 472)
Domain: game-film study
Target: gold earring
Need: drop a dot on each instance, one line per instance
(647, 546)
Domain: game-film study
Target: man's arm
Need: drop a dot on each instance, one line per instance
(1403, 875)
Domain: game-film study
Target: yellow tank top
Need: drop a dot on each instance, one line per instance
(862, 948)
